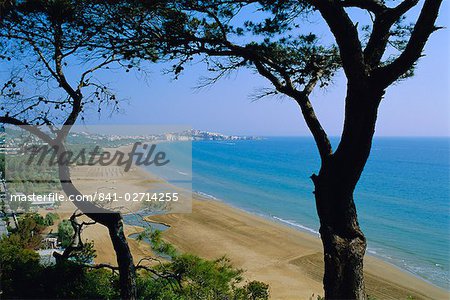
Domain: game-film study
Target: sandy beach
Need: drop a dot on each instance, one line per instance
(288, 260)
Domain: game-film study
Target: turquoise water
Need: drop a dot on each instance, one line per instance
(402, 197)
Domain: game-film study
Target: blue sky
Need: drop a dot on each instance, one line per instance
(415, 107)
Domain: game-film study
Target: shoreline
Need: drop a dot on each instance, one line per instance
(384, 280)
(290, 260)
(306, 230)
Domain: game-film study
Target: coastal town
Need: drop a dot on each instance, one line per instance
(185, 135)
(10, 139)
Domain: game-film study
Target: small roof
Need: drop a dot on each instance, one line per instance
(43, 202)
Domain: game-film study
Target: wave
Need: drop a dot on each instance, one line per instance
(225, 143)
(206, 195)
(294, 224)
(182, 173)
(371, 251)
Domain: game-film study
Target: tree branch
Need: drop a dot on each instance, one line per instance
(266, 67)
(76, 243)
(375, 6)
(313, 123)
(376, 46)
(302, 99)
(346, 35)
(402, 8)
(424, 27)
(93, 69)
(380, 35)
(25, 125)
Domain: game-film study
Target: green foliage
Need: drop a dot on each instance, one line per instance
(23, 277)
(19, 265)
(38, 219)
(30, 226)
(185, 277)
(33, 177)
(69, 280)
(189, 277)
(50, 219)
(255, 290)
(206, 279)
(65, 233)
(154, 238)
(90, 34)
(86, 255)
(101, 284)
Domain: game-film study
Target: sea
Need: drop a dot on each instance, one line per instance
(402, 198)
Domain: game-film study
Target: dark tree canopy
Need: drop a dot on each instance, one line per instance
(44, 43)
(276, 39)
(280, 40)
(374, 43)
(55, 52)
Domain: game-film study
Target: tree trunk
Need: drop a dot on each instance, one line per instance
(114, 222)
(343, 242)
(125, 262)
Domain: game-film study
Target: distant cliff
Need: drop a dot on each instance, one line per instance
(199, 135)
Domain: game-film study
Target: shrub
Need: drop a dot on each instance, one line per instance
(65, 233)
(50, 219)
